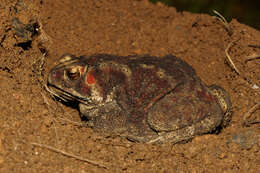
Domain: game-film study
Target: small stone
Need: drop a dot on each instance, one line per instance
(245, 139)
(222, 155)
(255, 86)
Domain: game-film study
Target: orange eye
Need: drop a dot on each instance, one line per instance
(73, 73)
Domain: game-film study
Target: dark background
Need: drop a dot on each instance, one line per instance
(245, 11)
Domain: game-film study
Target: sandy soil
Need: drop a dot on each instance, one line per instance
(35, 33)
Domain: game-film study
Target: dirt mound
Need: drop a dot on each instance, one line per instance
(34, 34)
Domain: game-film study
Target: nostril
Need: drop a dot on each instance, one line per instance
(55, 74)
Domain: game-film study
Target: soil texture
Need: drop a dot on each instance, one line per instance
(35, 33)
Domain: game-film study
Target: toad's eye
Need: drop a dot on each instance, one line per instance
(72, 73)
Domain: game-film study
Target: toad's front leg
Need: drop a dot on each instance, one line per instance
(108, 118)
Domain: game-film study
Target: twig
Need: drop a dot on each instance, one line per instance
(72, 122)
(229, 58)
(45, 100)
(247, 123)
(249, 113)
(53, 94)
(56, 133)
(69, 155)
(252, 57)
(254, 46)
(224, 21)
(42, 62)
(49, 109)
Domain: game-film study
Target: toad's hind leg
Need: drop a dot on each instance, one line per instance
(185, 134)
(181, 115)
(224, 102)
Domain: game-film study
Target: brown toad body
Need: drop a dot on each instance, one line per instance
(147, 99)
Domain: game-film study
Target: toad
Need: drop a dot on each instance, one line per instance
(143, 98)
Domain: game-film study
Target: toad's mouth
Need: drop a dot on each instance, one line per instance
(67, 96)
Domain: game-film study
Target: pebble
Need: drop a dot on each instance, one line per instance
(245, 139)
